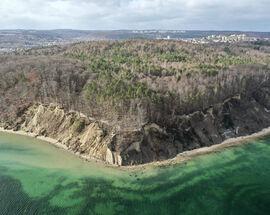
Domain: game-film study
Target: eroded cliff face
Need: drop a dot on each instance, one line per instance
(234, 117)
(77, 132)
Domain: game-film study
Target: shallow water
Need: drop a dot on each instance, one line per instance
(37, 178)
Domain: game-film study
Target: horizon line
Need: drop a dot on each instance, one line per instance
(74, 29)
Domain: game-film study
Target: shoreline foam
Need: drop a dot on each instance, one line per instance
(180, 158)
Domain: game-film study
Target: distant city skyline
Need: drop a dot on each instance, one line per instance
(241, 15)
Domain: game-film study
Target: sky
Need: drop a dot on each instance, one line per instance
(246, 15)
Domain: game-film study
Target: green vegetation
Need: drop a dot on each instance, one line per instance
(78, 125)
(118, 89)
(209, 70)
(162, 58)
(234, 60)
(170, 76)
(173, 57)
(186, 76)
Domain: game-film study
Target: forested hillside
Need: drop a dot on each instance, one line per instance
(151, 99)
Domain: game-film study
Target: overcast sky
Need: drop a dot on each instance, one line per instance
(136, 14)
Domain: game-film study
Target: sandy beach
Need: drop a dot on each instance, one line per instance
(55, 143)
(180, 158)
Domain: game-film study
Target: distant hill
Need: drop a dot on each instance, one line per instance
(13, 39)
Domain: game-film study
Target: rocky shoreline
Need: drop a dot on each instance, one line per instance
(180, 158)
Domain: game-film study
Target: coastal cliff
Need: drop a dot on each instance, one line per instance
(93, 139)
(123, 113)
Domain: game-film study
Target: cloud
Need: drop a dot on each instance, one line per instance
(130, 14)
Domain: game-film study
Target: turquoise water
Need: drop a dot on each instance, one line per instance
(37, 178)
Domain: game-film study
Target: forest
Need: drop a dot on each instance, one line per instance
(169, 96)
(138, 79)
